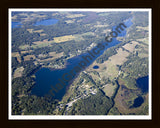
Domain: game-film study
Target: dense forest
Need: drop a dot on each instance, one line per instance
(97, 104)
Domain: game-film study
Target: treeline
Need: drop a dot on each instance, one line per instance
(33, 105)
(109, 52)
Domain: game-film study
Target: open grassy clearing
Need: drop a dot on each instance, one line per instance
(142, 55)
(70, 21)
(54, 14)
(37, 44)
(142, 28)
(29, 57)
(18, 72)
(144, 40)
(38, 31)
(130, 46)
(106, 31)
(53, 55)
(42, 34)
(109, 89)
(109, 68)
(45, 43)
(17, 55)
(119, 58)
(100, 26)
(28, 51)
(79, 20)
(23, 47)
(32, 30)
(103, 14)
(88, 34)
(14, 17)
(42, 42)
(63, 38)
(74, 15)
(143, 48)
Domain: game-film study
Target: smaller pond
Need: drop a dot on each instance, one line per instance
(143, 83)
(46, 22)
(95, 67)
(16, 24)
(138, 102)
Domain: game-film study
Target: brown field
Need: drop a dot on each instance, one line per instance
(24, 46)
(54, 14)
(38, 31)
(70, 21)
(142, 55)
(28, 57)
(17, 55)
(109, 68)
(74, 15)
(43, 34)
(18, 72)
(109, 89)
(54, 56)
(14, 17)
(119, 58)
(28, 51)
(30, 30)
(124, 96)
(130, 46)
(52, 53)
(41, 42)
(100, 26)
(63, 38)
(144, 40)
(142, 28)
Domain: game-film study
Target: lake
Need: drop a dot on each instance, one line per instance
(137, 102)
(95, 67)
(46, 22)
(16, 24)
(143, 83)
(46, 78)
(42, 22)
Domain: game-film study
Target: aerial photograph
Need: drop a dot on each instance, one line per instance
(79, 62)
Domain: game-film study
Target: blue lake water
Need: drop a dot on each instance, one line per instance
(138, 102)
(46, 22)
(143, 83)
(95, 67)
(43, 22)
(16, 25)
(62, 78)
